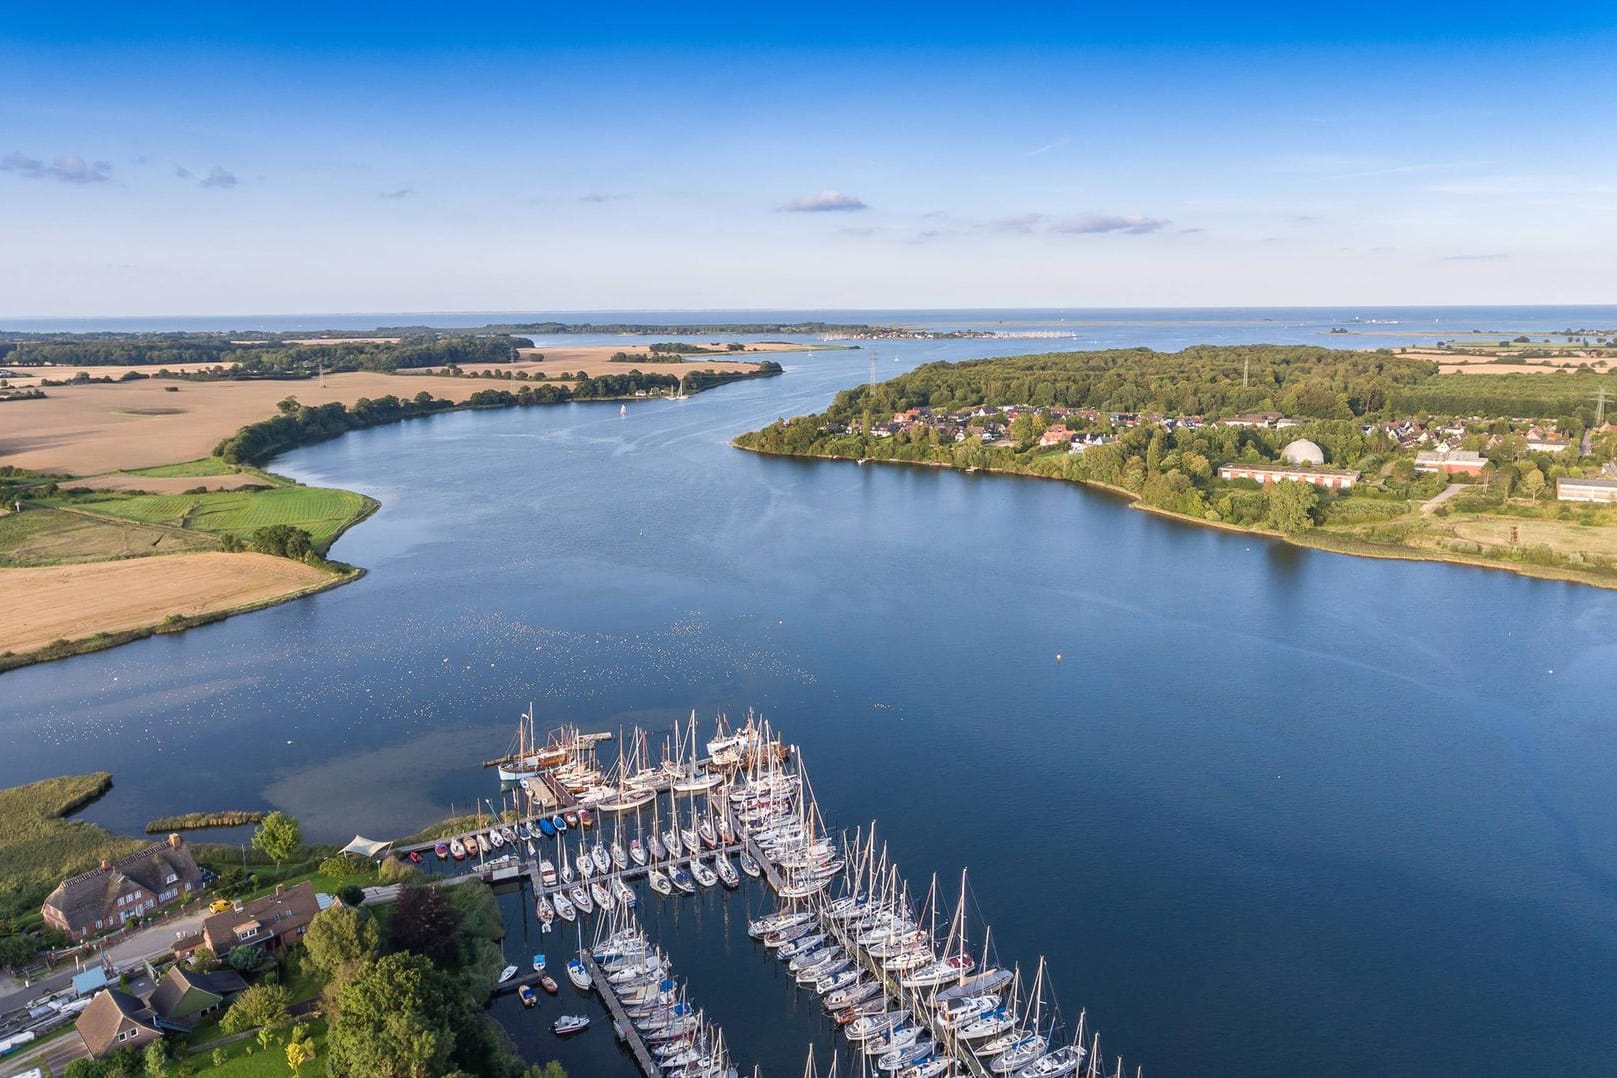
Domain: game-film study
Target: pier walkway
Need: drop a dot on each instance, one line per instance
(626, 1030)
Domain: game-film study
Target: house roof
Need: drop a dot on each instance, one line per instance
(278, 914)
(107, 1012)
(85, 897)
(179, 980)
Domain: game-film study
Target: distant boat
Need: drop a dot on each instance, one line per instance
(529, 997)
(548, 983)
(457, 849)
(570, 1023)
(578, 975)
(623, 411)
(507, 973)
(538, 963)
(442, 850)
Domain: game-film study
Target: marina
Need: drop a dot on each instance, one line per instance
(913, 997)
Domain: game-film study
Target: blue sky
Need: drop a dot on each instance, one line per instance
(243, 160)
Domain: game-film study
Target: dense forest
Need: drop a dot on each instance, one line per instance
(270, 358)
(1338, 396)
(1212, 381)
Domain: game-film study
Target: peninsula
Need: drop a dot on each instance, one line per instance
(133, 498)
(1370, 453)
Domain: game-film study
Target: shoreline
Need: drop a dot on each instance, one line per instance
(342, 574)
(1326, 542)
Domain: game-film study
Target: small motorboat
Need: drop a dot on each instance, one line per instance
(522, 830)
(547, 829)
(586, 818)
(558, 822)
(457, 850)
(415, 857)
(568, 818)
(548, 983)
(442, 850)
(509, 834)
(542, 907)
(569, 1023)
(538, 963)
(528, 996)
(547, 873)
(578, 975)
(506, 974)
(471, 845)
(495, 840)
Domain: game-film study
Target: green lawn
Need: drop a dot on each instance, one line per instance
(320, 511)
(245, 1059)
(203, 467)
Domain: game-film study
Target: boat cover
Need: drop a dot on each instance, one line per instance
(366, 847)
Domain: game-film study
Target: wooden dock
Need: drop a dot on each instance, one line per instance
(626, 1030)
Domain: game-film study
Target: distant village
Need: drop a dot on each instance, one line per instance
(1454, 447)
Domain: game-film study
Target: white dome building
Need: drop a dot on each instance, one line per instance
(1303, 451)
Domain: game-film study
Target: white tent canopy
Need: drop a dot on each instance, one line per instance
(365, 847)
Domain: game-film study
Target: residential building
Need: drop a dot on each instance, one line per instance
(184, 997)
(1450, 461)
(1540, 440)
(274, 922)
(1255, 419)
(1326, 478)
(116, 1019)
(118, 891)
(1586, 490)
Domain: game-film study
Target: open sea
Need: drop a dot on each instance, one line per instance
(1273, 812)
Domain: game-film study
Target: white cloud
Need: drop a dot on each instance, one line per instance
(1098, 223)
(69, 169)
(219, 177)
(825, 202)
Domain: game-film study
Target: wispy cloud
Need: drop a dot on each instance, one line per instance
(1306, 219)
(600, 196)
(1094, 224)
(1190, 231)
(1497, 256)
(825, 202)
(69, 169)
(1022, 223)
(395, 195)
(219, 177)
(1047, 147)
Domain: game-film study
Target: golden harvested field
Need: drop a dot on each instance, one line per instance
(95, 429)
(75, 601)
(1561, 536)
(52, 537)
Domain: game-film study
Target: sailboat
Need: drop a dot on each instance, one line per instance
(623, 411)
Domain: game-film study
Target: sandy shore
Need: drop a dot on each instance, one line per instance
(70, 602)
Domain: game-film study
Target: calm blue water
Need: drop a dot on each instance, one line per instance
(1275, 812)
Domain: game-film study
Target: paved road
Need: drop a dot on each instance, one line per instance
(137, 946)
(56, 1056)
